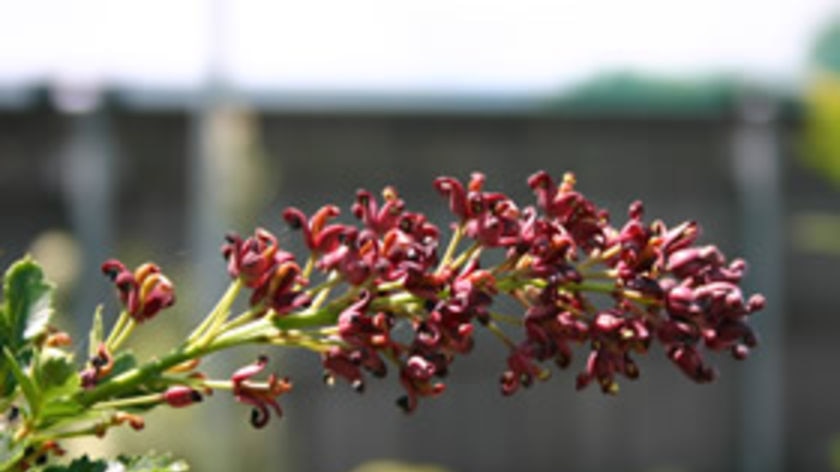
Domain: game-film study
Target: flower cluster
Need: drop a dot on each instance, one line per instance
(262, 266)
(387, 294)
(556, 253)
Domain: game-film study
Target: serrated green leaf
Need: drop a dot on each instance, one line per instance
(152, 462)
(27, 303)
(56, 373)
(58, 381)
(24, 315)
(81, 464)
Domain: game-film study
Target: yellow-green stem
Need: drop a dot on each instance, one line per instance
(310, 264)
(494, 328)
(208, 329)
(117, 329)
(471, 253)
(457, 235)
(324, 289)
(120, 339)
(242, 318)
(129, 402)
(505, 318)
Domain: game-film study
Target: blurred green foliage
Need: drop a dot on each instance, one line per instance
(629, 92)
(834, 452)
(821, 139)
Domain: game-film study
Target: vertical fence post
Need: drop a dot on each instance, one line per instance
(756, 159)
(87, 165)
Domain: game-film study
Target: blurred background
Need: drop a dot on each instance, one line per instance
(145, 130)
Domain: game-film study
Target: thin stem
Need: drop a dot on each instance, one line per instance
(254, 331)
(454, 241)
(471, 253)
(598, 257)
(513, 281)
(591, 287)
(242, 318)
(505, 318)
(398, 303)
(126, 332)
(310, 265)
(325, 288)
(218, 384)
(640, 298)
(260, 330)
(129, 402)
(208, 328)
(306, 343)
(96, 429)
(507, 265)
(494, 328)
(599, 274)
(117, 329)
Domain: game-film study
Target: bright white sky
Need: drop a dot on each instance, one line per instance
(393, 45)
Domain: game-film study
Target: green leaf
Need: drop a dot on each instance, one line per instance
(56, 373)
(145, 463)
(24, 315)
(152, 462)
(58, 381)
(60, 409)
(30, 390)
(27, 304)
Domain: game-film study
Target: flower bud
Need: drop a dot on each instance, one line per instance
(180, 396)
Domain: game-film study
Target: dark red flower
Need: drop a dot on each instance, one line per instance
(416, 377)
(318, 236)
(262, 396)
(271, 272)
(453, 189)
(280, 290)
(522, 370)
(339, 362)
(357, 257)
(254, 259)
(143, 293)
(585, 222)
(379, 220)
(691, 364)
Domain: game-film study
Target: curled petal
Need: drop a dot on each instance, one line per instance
(452, 188)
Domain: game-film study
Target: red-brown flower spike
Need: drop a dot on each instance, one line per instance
(379, 295)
